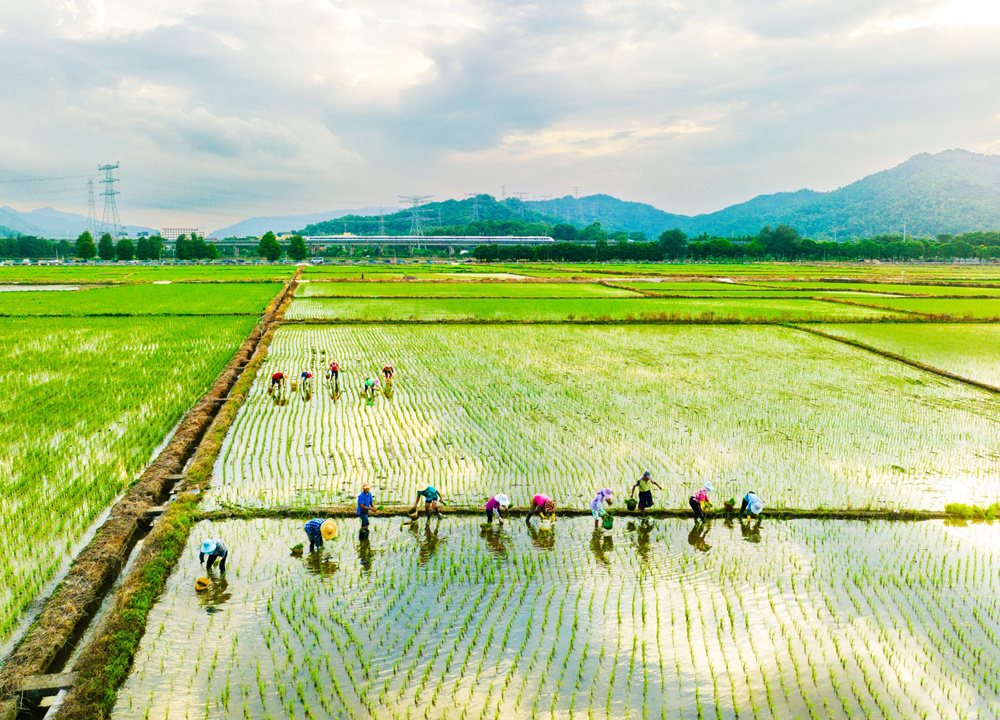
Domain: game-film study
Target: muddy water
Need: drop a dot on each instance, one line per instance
(447, 619)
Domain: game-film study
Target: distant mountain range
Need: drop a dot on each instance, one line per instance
(49, 223)
(949, 192)
(953, 191)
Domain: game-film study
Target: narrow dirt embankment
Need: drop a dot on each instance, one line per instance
(99, 563)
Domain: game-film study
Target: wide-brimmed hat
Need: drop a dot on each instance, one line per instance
(208, 547)
(421, 486)
(756, 507)
(503, 500)
(708, 486)
(328, 529)
(549, 506)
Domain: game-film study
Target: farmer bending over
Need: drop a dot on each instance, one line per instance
(388, 372)
(497, 504)
(700, 498)
(318, 530)
(752, 503)
(604, 497)
(431, 499)
(540, 503)
(371, 385)
(366, 504)
(333, 375)
(645, 485)
(277, 381)
(306, 379)
(212, 550)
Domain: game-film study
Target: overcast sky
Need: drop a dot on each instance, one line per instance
(223, 109)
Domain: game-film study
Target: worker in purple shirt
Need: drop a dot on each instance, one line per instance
(497, 504)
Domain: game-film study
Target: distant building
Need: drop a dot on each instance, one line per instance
(171, 234)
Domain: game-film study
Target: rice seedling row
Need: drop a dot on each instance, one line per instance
(804, 421)
(133, 274)
(814, 619)
(569, 310)
(146, 299)
(86, 401)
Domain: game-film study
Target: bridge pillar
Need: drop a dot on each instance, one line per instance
(451, 250)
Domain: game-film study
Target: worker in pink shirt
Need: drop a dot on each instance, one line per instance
(701, 498)
(540, 503)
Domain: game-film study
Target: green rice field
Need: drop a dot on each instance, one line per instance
(585, 309)
(807, 421)
(445, 620)
(86, 400)
(144, 299)
(516, 379)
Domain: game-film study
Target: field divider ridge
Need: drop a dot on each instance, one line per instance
(94, 569)
(899, 358)
(396, 511)
(925, 317)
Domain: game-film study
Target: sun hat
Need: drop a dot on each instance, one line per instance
(421, 486)
(647, 474)
(756, 507)
(503, 500)
(708, 486)
(549, 507)
(366, 486)
(208, 547)
(328, 529)
(201, 584)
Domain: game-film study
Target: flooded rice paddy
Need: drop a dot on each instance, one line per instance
(445, 619)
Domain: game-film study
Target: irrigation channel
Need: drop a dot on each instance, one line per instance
(809, 613)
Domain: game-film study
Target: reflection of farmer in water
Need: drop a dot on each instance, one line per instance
(543, 538)
(319, 563)
(642, 544)
(697, 537)
(750, 530)
(601, 544)
(429, 542)
(365, 550)
(496, 541)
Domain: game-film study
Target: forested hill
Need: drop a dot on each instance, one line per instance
(954, 191)
(436, 217)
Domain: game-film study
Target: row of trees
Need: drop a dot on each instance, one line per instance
(271, 249)
(780, 243)
(106, 248)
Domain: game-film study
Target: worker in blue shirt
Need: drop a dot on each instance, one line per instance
(366, 504)
(212, 550)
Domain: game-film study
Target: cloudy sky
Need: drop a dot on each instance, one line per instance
(222, 109)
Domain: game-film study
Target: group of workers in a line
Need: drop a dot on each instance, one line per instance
(318, 529)
(371, 384)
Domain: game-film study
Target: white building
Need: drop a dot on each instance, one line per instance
(171, 234)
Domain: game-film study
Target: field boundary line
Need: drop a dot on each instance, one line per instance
(396, 511)
(94, 569)
(900, 358)
(927, 317)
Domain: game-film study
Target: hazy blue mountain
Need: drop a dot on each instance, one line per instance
(257, 226)
(49, 223)
(950, 192)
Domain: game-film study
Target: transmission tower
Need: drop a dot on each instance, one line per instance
(110, 219)
(475, 205)
(415, 201)
(91, 209)
(381, 221)
(521, 196)
(576, 191)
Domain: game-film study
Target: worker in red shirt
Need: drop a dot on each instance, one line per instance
(334, 376)
(277, 381)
